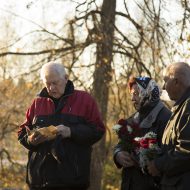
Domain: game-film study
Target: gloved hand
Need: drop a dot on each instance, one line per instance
(64, 131)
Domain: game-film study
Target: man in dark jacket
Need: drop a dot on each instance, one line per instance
(174, 164)
(61, 126)
(151, 116)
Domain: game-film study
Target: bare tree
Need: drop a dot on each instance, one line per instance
(102, 79)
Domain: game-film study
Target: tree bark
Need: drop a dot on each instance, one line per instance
(102, 77)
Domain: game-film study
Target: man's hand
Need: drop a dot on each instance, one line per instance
(152, 170)
(64, 131)
(35, 137)
(125, 159)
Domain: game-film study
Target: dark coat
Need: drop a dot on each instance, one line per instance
(132, 177)
(175, 162)
(63, 163)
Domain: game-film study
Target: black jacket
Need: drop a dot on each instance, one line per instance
(174, 164)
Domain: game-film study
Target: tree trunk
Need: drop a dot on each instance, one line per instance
(102, 77)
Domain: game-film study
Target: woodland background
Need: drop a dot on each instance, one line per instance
(101, 43)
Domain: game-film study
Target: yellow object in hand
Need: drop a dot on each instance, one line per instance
(49, 132)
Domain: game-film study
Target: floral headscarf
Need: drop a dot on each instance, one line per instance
(148, 89)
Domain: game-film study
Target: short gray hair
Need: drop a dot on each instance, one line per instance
(56, 67)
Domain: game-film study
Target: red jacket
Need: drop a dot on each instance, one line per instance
(62, 162)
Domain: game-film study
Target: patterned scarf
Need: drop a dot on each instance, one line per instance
(149, 92)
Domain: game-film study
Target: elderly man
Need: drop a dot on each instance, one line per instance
(151, 116)
(61, 126)
(174, 164)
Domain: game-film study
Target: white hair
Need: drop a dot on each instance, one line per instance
(55, 67)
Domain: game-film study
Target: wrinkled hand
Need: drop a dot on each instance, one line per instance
(125, 159)
(35, 137)
(64, 131)
(152, 170)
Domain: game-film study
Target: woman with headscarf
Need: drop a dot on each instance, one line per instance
(151, 116)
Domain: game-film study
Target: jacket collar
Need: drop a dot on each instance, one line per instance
(182, 99)
(69, 89)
